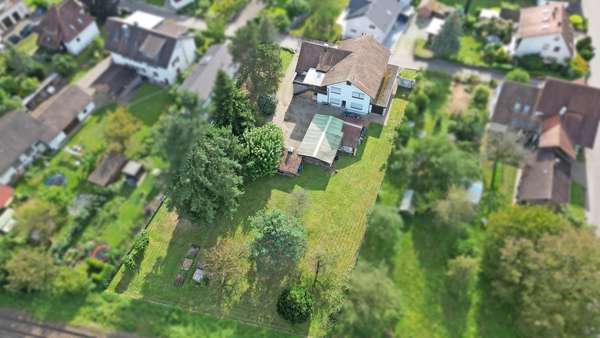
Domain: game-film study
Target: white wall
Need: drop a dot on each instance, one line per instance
(20, 8)
(535, 45)
(358, 26)
(86, 111)
(82, 40)
(24, 161)
(178, 4)
(346, 95)
(57, 141)
(7, 176)
(183, 55)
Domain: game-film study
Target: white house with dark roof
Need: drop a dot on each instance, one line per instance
(353, 75)
(11, 13)
(373, 17)
(156, 49)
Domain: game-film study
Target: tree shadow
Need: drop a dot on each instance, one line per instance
(494, 320)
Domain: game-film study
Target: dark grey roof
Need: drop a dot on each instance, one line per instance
(58, 112)
(62, 23)
(383, 13)
(204, 74)
(18, 132)
(152, 46)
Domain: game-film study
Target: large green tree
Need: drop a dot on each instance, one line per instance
(38, 218)
(262, 150)
(279, 240)
(447, 42)
(208, 182)
(231, 107)
(456, 209)
(383, 233)
(30, 270)
(503, 148)
(120, 125)
(554, 283)
(432, 165)
(372, 307)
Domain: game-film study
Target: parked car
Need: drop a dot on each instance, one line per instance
(26, 31)
(14, 39)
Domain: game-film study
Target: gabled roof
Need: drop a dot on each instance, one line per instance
(322, 139)
(153, 46)
(516, 106)
(545, 179)
(555, 136)
(18, 132)
(547, 19)
(204, 74)
(108, 170)
(62, 23)
(579, 106)
(59, 111)
(362, 61)
(382, 13)
(6, 195)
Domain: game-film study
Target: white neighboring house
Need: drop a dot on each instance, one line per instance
(11, 12)
(547, 31)
(353, 75)
(66, 26)
(373, 17)
(63, 113)
(156, 49)
(179, 4)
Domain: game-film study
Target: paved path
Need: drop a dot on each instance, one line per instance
(166, 12)
(86, 81)
(249, 12)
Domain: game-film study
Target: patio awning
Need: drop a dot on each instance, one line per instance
(322, 139)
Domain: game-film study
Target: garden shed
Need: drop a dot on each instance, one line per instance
(322, 140)
(109, 169)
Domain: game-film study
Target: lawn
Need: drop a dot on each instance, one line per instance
(419, 264)
(577, 203)
(29, 44)
(335, 220)
(286, 57)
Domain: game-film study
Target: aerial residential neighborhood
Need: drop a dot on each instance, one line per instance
(339, 168)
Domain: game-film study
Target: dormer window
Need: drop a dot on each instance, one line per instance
(517, 107)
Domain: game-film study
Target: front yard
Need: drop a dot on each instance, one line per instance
(335, 221)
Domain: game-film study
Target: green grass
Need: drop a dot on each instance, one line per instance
(334, 220)
(577, 202)
(479, 4)
(29, 44)
(286, 58)
(156, 2)
(470, 51)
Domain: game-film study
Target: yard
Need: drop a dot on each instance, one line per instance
(335, 220)
(419, 264)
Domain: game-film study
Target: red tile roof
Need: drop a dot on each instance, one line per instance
(6, 195)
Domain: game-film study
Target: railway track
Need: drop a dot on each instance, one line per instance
(19, 326)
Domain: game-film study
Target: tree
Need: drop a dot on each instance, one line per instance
(468, 128)
(585, 48)
(503, 147)
(280, 241)
(456, 209)
(30, 270)
(71, 281)
(299, 201)
(481, 96)
(38, 218)
(175, 135)
(102, 9)
(447, 42)
(262, 151)
(227, 263)
(555, 284)
(119, 127)
(432, 165)
(321, 24)
(267, 104)
(518, 75)
(383, 233)
(8, 103)
(461, 275)
(372, 306)
(525, 222)
(64, 64)
(231, 107)
(295, 304)
(208, 182)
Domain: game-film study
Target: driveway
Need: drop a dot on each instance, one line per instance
(166, 12)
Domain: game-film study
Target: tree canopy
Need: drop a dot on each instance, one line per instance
(280, 240)
(231, 107)
(383, 233)
(30, 270)
(208, 182)
(38, 218)
(447, 42)
(518, 75)
(262, 150)
(120, 125)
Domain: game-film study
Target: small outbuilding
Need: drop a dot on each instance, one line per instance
(475, 192)
(407, 203)
(291, 163)
(353, 131)
(322, 140)
(109, 169)
(133, 172)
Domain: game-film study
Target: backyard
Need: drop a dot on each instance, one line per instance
(335, 220)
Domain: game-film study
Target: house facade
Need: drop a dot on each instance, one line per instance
(66, 26)
(11, 12)
(545, 30)
(373, 17)
(156, 49)
(354, 75)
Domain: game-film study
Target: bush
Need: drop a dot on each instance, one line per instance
(495, 53)
(267, 104)
(411, 112)
(403, 133)
(421, 102)
(579, 22)
(579, 66)
(518, 75)
(140, 243)
(481, 95)
(295, 304)
(64, 64)
(532, 62)
(295, 8)
(279, 18)
(585, 48)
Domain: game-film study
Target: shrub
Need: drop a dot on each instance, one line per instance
(495, 53)
(64, 64)
(481, 95)
(279, 18)
(295, 304)
(518, 75)
(579, 22)
(585, 48)
(532, 62)
(411, 111)
(295, 8)
(140, 243)
(267, 104)
(579, 66)
(421, 102)
(403, 134)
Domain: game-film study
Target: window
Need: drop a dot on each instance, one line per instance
(155, 74)
(334, 101)
(355, 105)
(526, 109)
(78, 39)
(546, 46)
(357, 95)
(556, 49)
(335, 90)
(372, 26)
(517, 107)
(175, 61)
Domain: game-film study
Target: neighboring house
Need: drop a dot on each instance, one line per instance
(11, 12)
(7, 221)
(63, 113)
(158, 50)
(179, 4)
(66, 26)
(561, 117)
(204, 74)
(353, 75)
(433, 8)
(22, 140)
(373, 17)
(546, 31)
